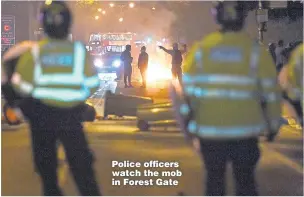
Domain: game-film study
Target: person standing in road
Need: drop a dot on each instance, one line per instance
(177, 60)
(127, 59)
(280, 58)
(143, 60)
(52, 80)
(226, 76)
(271, 49)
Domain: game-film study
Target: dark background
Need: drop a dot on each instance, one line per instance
(183, 21)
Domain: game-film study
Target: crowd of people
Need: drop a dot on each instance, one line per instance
(280, 53)
(143, 61)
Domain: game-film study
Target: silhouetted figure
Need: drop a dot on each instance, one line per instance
(177, 60)
(127, 61)
(143, 60)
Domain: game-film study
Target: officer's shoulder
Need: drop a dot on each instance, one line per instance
(207, 41)
(18, 50)
(211, 39)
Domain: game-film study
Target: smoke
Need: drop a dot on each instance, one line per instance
(82, 22)
(146, 21)
(141, 19)
(193, 22)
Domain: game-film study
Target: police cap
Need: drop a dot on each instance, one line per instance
(229, 13)
(56, 19)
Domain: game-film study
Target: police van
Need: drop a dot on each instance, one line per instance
(106, 49)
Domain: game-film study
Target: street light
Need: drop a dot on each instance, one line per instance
(48, 2)
(120, 19)
(153, 8)
(96, 17)
(103, 12)
(131, 5)
(99, 9)
(112, 5)
(149, 39)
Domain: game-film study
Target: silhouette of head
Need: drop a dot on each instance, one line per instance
(175, 46)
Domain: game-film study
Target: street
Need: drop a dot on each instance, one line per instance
(279, 171)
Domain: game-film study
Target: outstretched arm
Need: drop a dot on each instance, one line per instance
(166, 50)
(184, 50)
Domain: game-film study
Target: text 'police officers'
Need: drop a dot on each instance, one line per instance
(148, 164)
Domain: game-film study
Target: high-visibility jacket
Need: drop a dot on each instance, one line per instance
(58, 73)
(226, 75)
(295, 74)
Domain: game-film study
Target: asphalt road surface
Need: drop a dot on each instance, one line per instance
(279, 171)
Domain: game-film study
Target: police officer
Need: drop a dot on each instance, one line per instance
(177, 60)
(226, 77)
(127, 59)
(143, 60)
(52, 80)
(291, 81)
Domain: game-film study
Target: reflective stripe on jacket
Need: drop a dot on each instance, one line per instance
(60, 79)
(225, 79)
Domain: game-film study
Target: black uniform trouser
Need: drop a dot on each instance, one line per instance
(50, 125)
(127, 75)
(299, 110)
(78, 155)
(244, 155)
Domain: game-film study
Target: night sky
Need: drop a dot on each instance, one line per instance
(177, 20)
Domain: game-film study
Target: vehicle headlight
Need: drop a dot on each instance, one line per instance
(117, 63)
(98, 63)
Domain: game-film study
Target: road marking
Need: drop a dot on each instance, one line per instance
(286, 146)
(292, 130)
(285, 160)
(7, 127)
(62, 171)
(63, 166)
